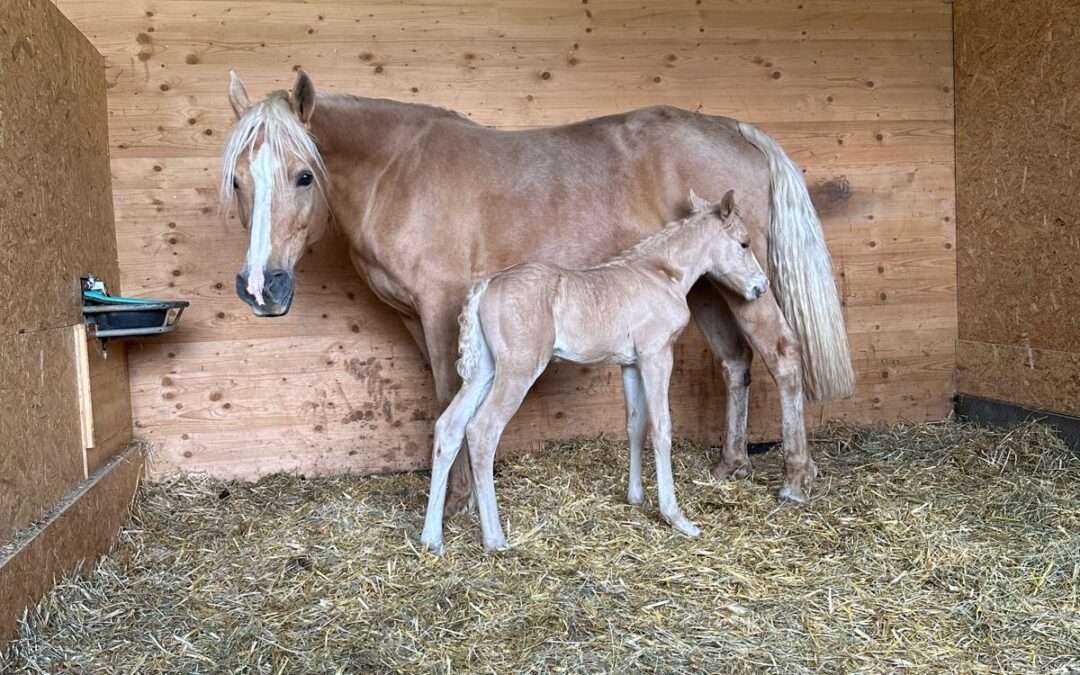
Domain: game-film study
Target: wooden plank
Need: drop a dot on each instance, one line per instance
(110, 391)
(56, 214)
(86, 405)
(1035, 378)
(82, 527)
(41, 456)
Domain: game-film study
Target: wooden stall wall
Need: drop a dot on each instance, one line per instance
(56, 224)
(1018, 208)
(859, 93)
(66, 471)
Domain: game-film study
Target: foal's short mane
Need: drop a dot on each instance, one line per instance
(272, 121)
(648, 246)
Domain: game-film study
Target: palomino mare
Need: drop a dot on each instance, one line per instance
(627, 311)
(429, 201)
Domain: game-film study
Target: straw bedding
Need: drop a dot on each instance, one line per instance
(936, 548)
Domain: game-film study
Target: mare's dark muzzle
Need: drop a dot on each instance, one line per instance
(277, 293)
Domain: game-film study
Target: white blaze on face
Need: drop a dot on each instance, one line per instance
(263, 170)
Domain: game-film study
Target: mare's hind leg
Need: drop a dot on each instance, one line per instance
(717, 324)
(637, 420)
(483, 432)
(764, 325)
(656, 378)
(449, 435)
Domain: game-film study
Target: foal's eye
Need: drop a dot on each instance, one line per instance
(304, 178)
(235, 184)
(745, 244)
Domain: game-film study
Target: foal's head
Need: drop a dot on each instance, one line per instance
(731, 261)
(272, 173)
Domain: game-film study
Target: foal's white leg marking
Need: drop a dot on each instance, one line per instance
(637, 420)
(449, 435)
(264, 168)
(656, 377)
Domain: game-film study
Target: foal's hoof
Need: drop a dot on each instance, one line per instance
(635, 497)
(737, 470)
(433, 546)
(496, 546)
(683, 525)
(793, 494)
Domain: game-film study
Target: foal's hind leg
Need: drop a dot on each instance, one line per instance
(656, 378)
(483, 433)
(449, 435)
(717, 324)
(637, 420)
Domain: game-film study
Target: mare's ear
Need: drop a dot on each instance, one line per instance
(727, 205)
(697, 203)
(303, 97)
(238, 96)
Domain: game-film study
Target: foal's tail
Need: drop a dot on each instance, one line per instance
(474, 354)
(800, 271)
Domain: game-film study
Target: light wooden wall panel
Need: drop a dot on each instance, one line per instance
(859, 93)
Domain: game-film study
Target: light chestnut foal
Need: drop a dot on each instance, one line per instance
(627, 311)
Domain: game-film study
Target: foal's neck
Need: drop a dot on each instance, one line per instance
(679, 248)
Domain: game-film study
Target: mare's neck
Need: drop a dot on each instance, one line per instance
(359, 140)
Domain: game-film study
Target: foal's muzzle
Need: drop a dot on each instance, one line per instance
(277, 293)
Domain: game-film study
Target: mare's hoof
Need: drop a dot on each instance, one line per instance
(794, 495)
(732, 470)
(460, 503)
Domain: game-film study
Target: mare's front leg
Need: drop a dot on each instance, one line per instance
(656, 378)
(637, 418)
(764, 325)
(483, 433)
(716, 322)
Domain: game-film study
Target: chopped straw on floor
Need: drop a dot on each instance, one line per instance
(935, 548)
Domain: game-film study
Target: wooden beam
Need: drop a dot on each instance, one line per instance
(72, 535)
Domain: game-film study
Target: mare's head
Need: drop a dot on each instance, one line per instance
(273, 176)
(731, 261)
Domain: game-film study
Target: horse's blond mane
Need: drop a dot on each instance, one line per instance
(271, 121)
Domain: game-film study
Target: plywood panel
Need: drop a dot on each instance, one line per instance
(81, 528)
(1018, 202)
(56, 210)
(41, 449)
(1018, 210)
(859, 93)
(56, 224)
(1040, 379)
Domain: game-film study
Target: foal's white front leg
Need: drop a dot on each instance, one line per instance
(656, 377)
(637, 418)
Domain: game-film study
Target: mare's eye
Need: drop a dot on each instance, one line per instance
(745, 244)
(304, 178)
(235, 183)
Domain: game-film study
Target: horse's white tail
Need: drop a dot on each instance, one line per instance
(800, 271)
(473, 352)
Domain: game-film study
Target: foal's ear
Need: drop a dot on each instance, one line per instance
(303, 97)
(697, 203)
(238, 96)
(727, 205)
